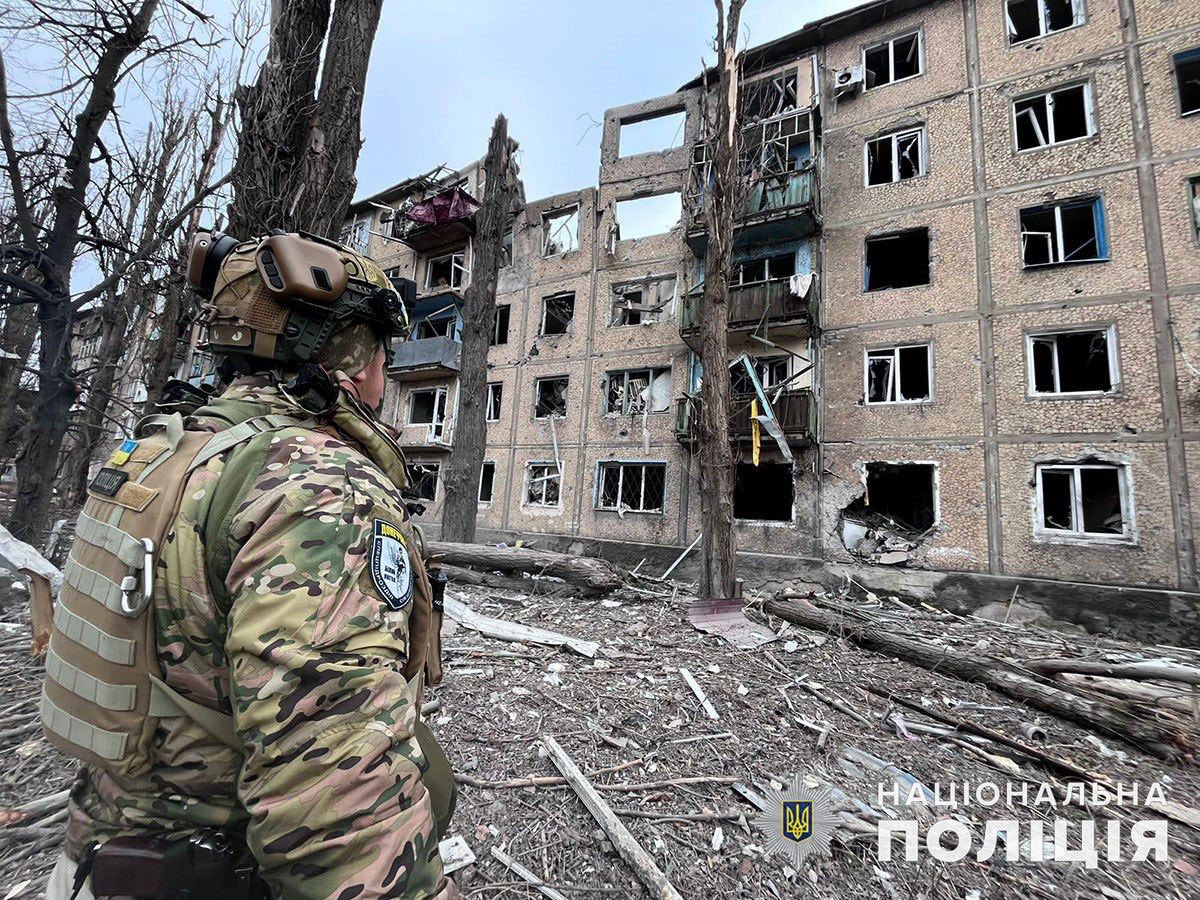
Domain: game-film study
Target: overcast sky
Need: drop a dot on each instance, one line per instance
(442, 69)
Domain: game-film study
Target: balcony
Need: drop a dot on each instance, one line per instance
(794, 410)
(747, 303)
(426, 358)
(445, 218)
(774, 208)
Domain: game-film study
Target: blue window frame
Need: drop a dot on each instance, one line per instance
(1066, 233)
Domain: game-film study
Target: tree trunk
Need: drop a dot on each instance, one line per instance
(591, 574)
(298, 147)
(479, 318)
(1109, 718)
(718, 569)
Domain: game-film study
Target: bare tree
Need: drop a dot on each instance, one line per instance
(502, 192)
(721, 201)
(106, 42)
(299, 136)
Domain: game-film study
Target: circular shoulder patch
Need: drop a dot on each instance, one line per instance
(391, 569)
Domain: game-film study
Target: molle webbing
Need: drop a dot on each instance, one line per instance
(100, 701)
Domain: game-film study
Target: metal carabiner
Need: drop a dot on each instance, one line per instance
(129, 582)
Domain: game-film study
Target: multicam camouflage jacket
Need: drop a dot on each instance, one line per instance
(277, 614)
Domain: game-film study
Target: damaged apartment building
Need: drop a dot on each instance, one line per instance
(964, 308)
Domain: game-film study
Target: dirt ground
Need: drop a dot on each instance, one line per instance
(797, 705)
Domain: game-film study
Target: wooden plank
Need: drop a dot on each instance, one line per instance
(541, 886)
(631, 851)
(503, 630)
(709, 710)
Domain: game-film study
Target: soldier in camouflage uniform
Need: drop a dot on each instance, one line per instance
(278, 602)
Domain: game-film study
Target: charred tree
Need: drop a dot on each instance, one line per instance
(721, 199)
(299, 140)
(502, 190)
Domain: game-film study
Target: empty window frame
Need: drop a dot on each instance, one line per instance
(1028, 19)
(1054, 117)
(495, 395)
(543, 484)
(500, 331)
(772, 371)
(765, 268)
(1073, 362)
(550, 397)
(357, 236)
(438, 324)
(1063, 233)
(642, 217)
(1084, 500)
(901, 374)
(652, 134)
(487, 481)
(763, 493)
(644, 302)
(447, 271)
(1187, 81)
(422, 480)
(896, 260)
(560, 231)
(506, 248)
(557, 312)
(903, 493)
(631, 392)
(427, 407)
(1193, 197)
(768, 97)
(894, 60)
(631, 487)
(895, 157)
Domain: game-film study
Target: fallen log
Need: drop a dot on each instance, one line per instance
(594, 576)
(462, 575)
(1112, 718)
(1145, 670)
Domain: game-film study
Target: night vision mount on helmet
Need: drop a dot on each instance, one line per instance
(278, 299)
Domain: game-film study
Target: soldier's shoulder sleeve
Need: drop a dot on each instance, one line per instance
(321, 585)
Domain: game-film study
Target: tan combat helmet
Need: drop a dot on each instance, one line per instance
(279, 299)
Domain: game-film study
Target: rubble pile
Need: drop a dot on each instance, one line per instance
(607, 746)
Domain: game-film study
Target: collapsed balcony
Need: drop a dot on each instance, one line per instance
(443, 218)
(794, 411)
(787, 303)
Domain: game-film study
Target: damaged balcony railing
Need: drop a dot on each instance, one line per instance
(443, 218)
(748, 302)
(432, 357)
(793, 411)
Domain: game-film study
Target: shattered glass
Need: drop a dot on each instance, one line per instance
(551, 398)
(544, 484)
(766, 98)
(559, 310)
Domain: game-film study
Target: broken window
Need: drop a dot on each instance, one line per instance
(557, 312)
(1073, 362)
(442, 323)
(642, 217)
(628, 391)
(899, 374)
(428, 408)
(1187, 81)
(1054, 117)
(487, 481)
(1083, 499)
(660, 131)
(632, 487)
(495, 393)
(772, 371)
(644, 302)
(1194, 204)
(357, 235)
(506, 248)
(448, 271)
(893, 60)
(1069, 232)
(765, 268)
(500, 332)
(896, 157)
(542, 484)
(560, 231)
(422, 480)
(551, 397)
(897, 260)
(768, 97)
(1028, 19)
(771, 155)
(901, 493)
(763, 493)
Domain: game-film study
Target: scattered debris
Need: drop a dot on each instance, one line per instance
(726, 618)
(513, 631)
(699, 692)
